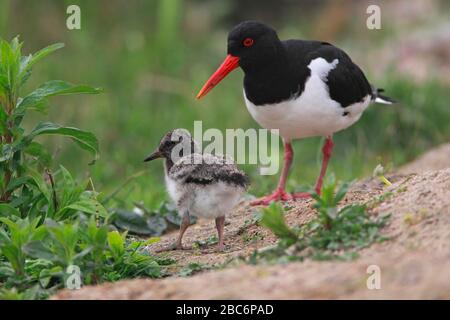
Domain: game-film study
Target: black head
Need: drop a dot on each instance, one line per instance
(251, 45)
(178, 138)
(254, 43)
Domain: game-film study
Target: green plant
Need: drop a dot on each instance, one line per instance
(12, 243)
(193, 268)
(335, 233)
(37, 257)
(48, 220)
(273, 219)
(379, 172)
(22, 159)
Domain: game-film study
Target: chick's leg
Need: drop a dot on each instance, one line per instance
(220, 222)
(178, 244)
(184, 225)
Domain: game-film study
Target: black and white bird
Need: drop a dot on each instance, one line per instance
(200, 184)
(302, 88)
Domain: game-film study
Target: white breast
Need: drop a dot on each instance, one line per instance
(313, 113)
(214, 200)
(204, 201)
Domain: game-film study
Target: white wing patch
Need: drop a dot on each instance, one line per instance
(322, 67)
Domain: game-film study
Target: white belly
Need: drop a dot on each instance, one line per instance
(313, 113)
(204, 201)
(214, 201)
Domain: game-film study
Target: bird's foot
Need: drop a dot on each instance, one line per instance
(301, 195)
(278, 195)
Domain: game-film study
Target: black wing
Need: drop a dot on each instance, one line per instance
(207, 169)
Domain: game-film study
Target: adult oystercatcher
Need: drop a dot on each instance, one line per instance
(203, 185)
(303, 88)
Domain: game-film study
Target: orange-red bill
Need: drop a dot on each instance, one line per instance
(229, 64)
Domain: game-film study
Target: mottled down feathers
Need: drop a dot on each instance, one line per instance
(205, 169)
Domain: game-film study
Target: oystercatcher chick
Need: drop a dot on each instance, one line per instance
(302, 88)
(203, 185)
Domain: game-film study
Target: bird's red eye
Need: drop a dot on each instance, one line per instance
(248, 42)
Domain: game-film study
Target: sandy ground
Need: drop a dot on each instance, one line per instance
(414, 263)
(436, 159)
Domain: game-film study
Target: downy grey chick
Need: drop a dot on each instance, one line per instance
(203, 185)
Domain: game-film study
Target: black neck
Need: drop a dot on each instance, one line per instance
(276, 81)
(272, 84)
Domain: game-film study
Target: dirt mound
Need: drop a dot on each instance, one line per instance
(435, 159)
(408, 276)
(414, 263)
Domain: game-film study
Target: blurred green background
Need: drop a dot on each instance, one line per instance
(152, 57)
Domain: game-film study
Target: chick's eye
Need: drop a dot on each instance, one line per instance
(248, 42)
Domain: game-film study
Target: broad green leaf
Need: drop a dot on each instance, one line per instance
(68, 181)
(10, 56)
(14, 257)
(50, 89)
(116, 243)
(340, 194)
(4, 85)
(6, 152)
(135, 223)
(86, 140)
(18, 182)
(90, 206)
(46, 275)
(3, 116)
(151, 241)
(38, 250)
(40, 183)
(7, 210)
(38, 151)
(157, 225)
(30, 60)
(82, 253)
(273, 219)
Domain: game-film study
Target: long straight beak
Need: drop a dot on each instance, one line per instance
(229, 64)
(154, 155)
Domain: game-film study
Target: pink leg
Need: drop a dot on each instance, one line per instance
(326, 151)
(280, 193)
(220, 222)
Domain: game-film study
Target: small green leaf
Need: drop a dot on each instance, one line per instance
(40, 183)
(151, 241)
(38, 250)
(38, 151)
(90, 206)
(273, 219)
(6, 152)
(340, 194)
(7, 210)
(138, 224)
(51, 89)
(116, 243)
(30, 60)
(46, 275)
(157, 225)
(84, 139)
